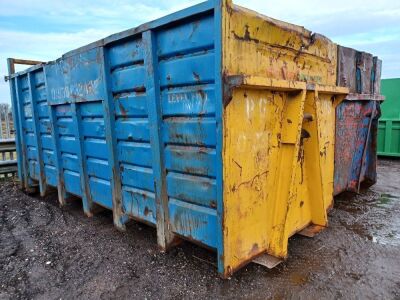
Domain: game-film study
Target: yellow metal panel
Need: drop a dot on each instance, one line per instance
(270, 83)
(279, 123)
(278, 169)
(251, 147)
(261, 46)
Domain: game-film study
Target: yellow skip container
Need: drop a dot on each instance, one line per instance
(278, 134)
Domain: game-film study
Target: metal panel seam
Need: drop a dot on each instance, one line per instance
(164, 233)
(55, 137)
(86, 197)
(363, 157)
(388, 136)
(23, 145)
(109, 120)
(218, 118)
(42, 177)
(15, 115)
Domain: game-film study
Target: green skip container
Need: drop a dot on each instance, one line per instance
(389, 123)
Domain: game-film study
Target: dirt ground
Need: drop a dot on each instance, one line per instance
(51, 253)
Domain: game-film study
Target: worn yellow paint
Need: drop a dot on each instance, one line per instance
(271, 83)
(261, 46)
(278, 124)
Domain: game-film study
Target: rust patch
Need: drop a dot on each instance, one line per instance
(194, 28)
(192, 170)
(229, 83)
(122, 109)
(311, 230)
(202, 94)
(146, 211)
(78, 98)
(324, 150)
(246, 37)
(140, 89)
(254, 250)
(301, 159)
(239, 166)
(249, 182)
(196, 76)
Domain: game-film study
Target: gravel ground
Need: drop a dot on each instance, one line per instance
(47, 252)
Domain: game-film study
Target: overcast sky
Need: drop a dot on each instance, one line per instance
(44, 30)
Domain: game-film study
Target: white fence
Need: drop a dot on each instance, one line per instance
(6, 122)
(8, 163)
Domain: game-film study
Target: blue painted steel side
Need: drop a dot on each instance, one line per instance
(134, 123)
(84, 179)
(24, 114)
(152, 86)
(56, 153)
(34, 96)
(109, 120)
(356, 145)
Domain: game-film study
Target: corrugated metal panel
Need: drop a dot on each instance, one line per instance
(389, 124)
(359, 71)
(130, 124)
(357, 120)
(389, 138)
(356, 145)
(190, 123)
